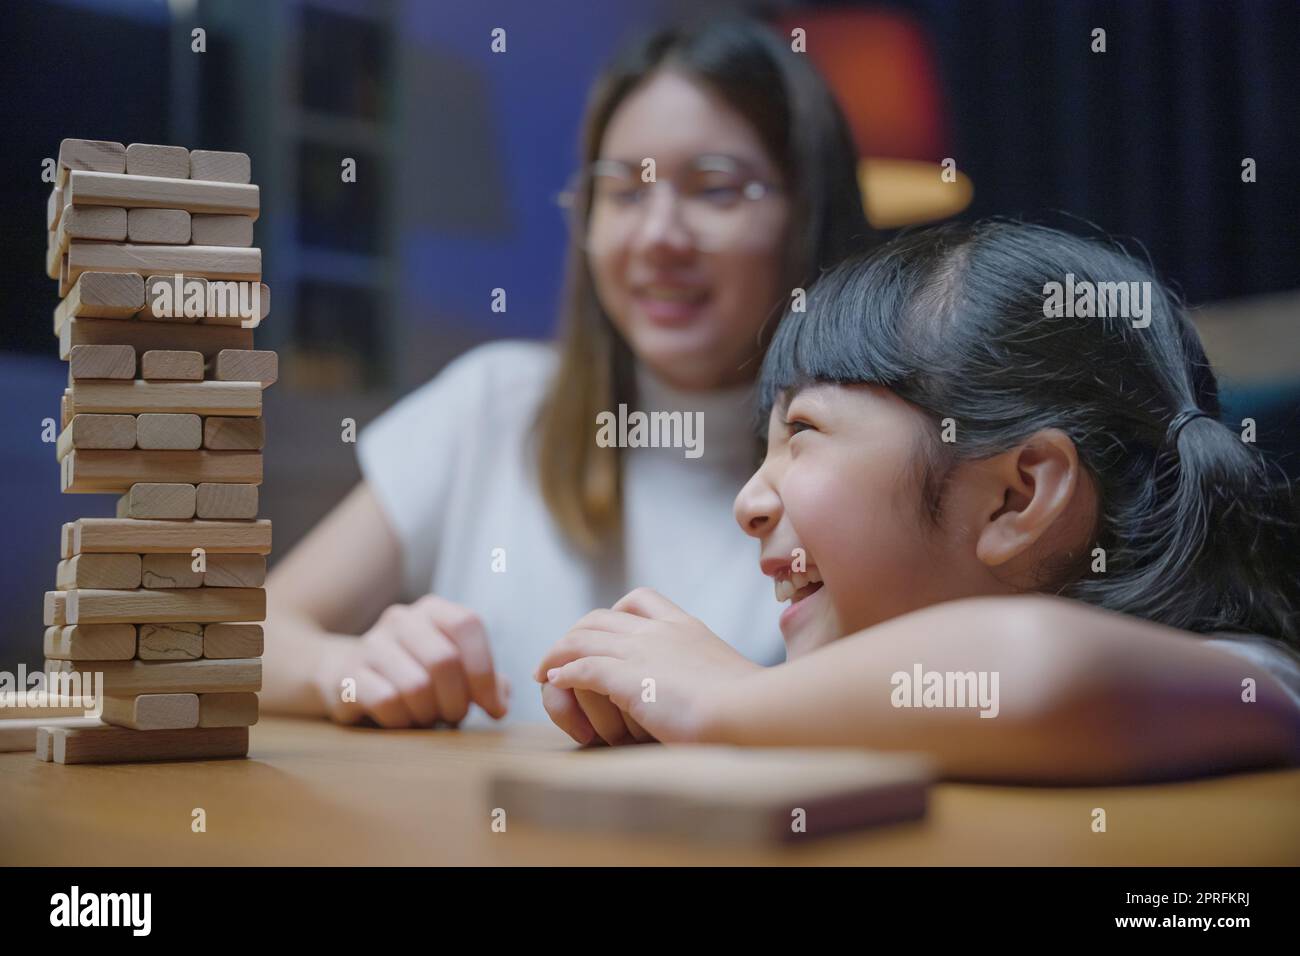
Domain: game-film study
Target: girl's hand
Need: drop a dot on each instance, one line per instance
(645, 663)
(419, 664)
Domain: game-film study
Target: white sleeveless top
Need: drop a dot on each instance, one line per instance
(451, 467)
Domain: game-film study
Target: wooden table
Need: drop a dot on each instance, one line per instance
(315, 793)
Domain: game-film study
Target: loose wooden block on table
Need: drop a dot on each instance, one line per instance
(196, 398)
(55, 608)
(90, 642)
(171, 571)
(94, 223)
(114, 472)
(160, 499)
(91, 606)
(98, 432)
(212, 197)
(123, 745)
(235, 571)
(233, 434)
(19, 734)
(153, 711)
(109, 295)
(208, 230)
(226, 500)
(89, 154)
(99, 571)
(171, 365)
(214, 262)
(227, 710)
(101, 362)
(203, 676)
(146, 159)
(157, 226)
(170, 642)
(246, 365)
(143, 336)
(228, 641)
(96, 535)
(162, 430)
(716, 793)
(220, 166)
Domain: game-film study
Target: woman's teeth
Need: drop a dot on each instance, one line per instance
(787, 588)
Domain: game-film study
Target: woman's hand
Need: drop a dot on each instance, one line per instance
(420, 663)
(642, 669)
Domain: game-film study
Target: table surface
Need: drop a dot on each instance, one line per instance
(315, 793)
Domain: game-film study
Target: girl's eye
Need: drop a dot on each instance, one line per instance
(796, 426)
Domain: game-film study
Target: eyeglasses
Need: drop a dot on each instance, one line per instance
(719, 201)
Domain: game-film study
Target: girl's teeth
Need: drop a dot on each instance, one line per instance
(786, 588)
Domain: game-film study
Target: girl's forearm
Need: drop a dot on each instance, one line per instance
(1080, 696)
(296, 646)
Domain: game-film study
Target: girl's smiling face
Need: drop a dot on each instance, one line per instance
(841, 485)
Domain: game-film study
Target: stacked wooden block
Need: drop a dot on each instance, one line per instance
(161, 287)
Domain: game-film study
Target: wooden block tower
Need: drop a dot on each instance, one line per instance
(161, 289)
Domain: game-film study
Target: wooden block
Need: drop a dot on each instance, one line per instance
(100, 432)
(158, 226)
(144, 159)
(171, 365)
(109, 189)
(226, 641)
(95, 223)
(65, 282)
(154, 711)
(114, 472)
(246, 365)
(65, 539)
(163, 430)
(53, 258)
(264, 309)
(18, 705)
(233, 434)
(65, 408)
(196, 398)
(227, 710)
(89, 154)
(55, 608)
(110, 295)
(44, 745)
(222, 167)
(170, 642)
(221, 230)
(19, 735)
(714, 793)
(175, 571)
(86, 606)
(173, 299)
(143, 336)
(54, 208)
(236, 571)
(226, 500)
(159, 499)
(213, 262)
(203, 676)
(90, 642)
(111, 571)
(101, 361)
(95, 535)
(123, 745)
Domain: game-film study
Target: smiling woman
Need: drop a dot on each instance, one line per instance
(716, 175)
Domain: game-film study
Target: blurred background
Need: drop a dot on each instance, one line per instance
(460, 153)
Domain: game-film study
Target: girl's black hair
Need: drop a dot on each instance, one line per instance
(1197, 530)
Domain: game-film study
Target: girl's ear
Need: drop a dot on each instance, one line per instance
(1026, 493)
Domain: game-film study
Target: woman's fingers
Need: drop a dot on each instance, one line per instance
(381, 700)
(647, 602)
(563, 708)
(582, 643)
(466, 632)
(639, 733)
(604, 716)
(385, 654)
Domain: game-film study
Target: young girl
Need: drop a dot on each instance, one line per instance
(980, 508)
